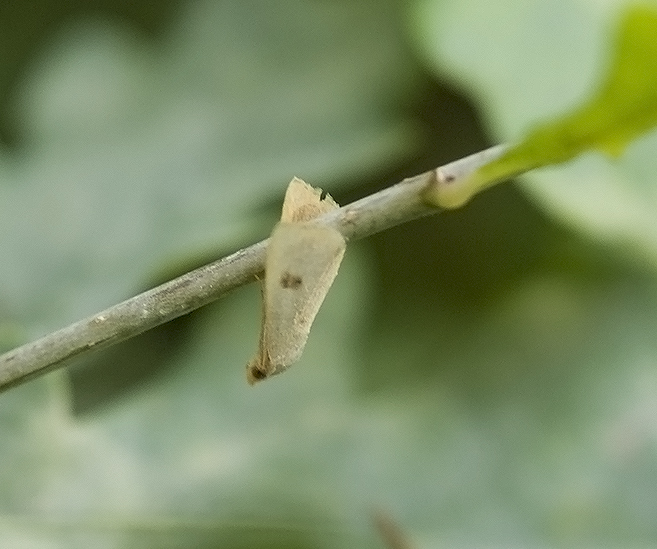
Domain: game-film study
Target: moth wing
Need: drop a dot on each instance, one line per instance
(303, 202)
(259, 367)
(302, 262)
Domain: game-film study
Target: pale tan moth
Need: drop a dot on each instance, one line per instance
(301, 263)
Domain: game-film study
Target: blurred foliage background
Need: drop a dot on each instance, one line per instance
(485, 376)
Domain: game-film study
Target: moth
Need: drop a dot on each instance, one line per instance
(301, 263)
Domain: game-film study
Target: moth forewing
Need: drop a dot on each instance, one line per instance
(302, 262)
(259, 366)
(303, 202)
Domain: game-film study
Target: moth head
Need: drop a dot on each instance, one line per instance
(256, 371)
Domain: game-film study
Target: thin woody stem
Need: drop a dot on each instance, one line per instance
(398, 204)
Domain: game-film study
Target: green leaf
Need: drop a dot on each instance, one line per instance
(525, 73)
(624, 107)
(140, 155)
(136, 158)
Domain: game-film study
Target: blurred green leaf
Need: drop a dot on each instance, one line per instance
(139, 156)
(544, 62)
(624, 107)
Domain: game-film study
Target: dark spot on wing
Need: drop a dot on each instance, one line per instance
(290, 281)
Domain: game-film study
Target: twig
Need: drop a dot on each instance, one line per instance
(392, 206)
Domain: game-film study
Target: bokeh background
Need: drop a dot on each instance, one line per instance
(486, 377)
